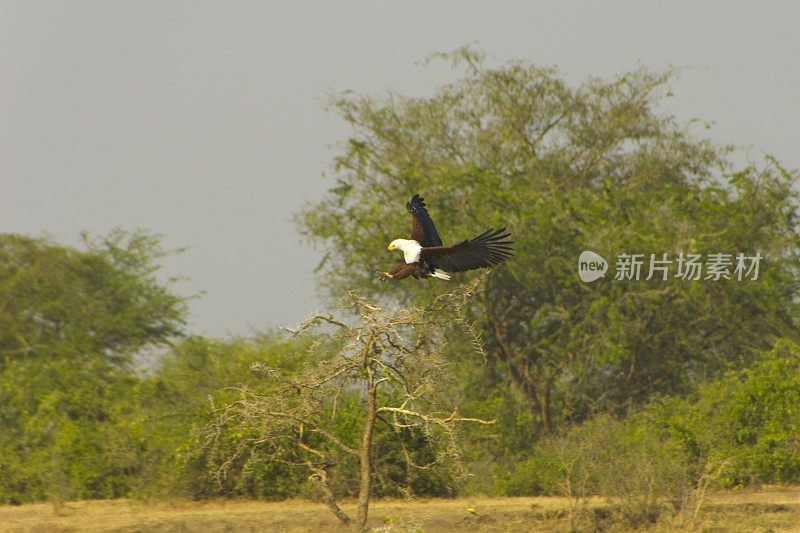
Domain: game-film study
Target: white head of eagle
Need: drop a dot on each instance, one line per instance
(426, 257)
(410, 249)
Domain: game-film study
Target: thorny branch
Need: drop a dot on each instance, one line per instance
(299, 418)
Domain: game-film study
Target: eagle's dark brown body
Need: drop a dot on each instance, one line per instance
(403, 270)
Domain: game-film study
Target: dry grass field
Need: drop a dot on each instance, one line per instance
(771, 509)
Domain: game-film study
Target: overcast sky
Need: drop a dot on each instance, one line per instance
(203, 120)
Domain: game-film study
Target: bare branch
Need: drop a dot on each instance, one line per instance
(441, 421)
(314, 427)
(394, 351)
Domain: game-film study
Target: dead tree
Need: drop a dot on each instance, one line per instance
(389, 359)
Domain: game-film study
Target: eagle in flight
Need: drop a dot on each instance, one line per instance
(425, 257)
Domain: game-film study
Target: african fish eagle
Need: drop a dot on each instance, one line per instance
(425, 257)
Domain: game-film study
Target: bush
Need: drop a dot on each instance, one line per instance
(632, 461)
(741, 429)
(750, 420)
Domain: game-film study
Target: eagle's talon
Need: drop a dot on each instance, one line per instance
(382, 275)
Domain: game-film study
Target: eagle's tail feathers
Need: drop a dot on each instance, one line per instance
(441, 274)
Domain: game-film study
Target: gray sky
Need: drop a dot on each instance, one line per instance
(203, 121)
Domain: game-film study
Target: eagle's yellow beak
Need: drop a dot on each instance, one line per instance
(391, 247)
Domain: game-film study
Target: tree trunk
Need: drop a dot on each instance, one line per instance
(547, 421)
(320, 479)
(537, 391)
(365, 456)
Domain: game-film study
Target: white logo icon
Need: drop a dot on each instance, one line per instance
(591, 266)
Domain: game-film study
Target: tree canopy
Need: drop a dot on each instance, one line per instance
(70, 324)
(58, 302)
(599, 166)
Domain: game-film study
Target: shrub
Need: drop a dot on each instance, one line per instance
(749, 419)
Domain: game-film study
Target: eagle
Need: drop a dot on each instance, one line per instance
(426, 257)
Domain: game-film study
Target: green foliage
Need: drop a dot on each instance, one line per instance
(595, 167)
(500, 455)
(102, 303)
(745, 425)
(70, 323)
(632, 461)
(741, 429)
(177, 399)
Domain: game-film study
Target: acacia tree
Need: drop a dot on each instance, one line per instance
(599, 166)
(389, 362)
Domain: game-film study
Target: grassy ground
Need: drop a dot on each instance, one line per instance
(770, 509)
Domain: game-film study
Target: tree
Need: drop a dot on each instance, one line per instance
(70, 324)
(595, 167)
(102, 303)
(389, 364)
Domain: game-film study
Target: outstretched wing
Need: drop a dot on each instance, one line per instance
(487, 249)
(422, 228)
